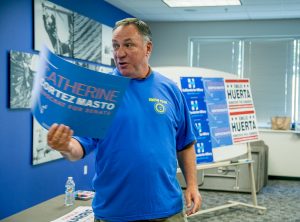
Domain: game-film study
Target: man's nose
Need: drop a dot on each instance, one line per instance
(121, 52)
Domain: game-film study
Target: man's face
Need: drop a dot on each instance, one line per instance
(131, 52)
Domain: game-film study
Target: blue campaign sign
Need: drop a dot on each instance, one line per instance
(203, 146)
(67, 94)
(217, 110)
(214, 89)
(201, 126)
(203, 151)
(218, 119)
(220, 136)
(196, 105)
(193, 92)
(191, 84)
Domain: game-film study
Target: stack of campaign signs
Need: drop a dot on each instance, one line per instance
(222, 112)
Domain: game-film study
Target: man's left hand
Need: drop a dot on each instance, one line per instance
(193, 200)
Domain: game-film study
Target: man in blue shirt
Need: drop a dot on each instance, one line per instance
(136, 162)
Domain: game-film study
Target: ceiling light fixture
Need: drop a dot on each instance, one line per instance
(200, 3)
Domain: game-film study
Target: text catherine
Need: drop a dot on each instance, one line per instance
(79, 93)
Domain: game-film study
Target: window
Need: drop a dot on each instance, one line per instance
(216, 54)
(272, 64)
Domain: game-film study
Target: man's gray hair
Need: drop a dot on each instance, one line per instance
(141, 26)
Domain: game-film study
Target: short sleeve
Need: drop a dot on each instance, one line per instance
(185, 134)
(88, 144)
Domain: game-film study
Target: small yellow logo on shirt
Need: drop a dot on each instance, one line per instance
(159, 105)
(160, 108)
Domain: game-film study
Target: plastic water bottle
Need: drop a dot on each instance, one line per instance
(70, 192)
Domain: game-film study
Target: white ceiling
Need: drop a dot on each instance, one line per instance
(156, 10)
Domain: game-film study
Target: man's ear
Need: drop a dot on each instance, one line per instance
(149, 49)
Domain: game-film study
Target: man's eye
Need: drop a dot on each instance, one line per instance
(115, 46)
(128, 45)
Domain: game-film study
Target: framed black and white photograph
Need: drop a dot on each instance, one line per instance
(70, 34)
(53, 27)
(23, 67)
(87, 39)
(41, 152)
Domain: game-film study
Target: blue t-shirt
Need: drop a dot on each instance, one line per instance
(136, 161)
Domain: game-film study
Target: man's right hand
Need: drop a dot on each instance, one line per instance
(59, 137)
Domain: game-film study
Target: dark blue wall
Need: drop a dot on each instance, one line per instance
(21, 184)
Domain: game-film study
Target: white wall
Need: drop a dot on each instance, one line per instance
(284, 152)
(171, 38)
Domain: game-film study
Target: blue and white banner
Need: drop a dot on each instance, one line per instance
(217, 110)
(192, 88)
(83, 99)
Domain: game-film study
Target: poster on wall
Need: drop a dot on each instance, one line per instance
(53, 27)
(63, 94)
(241, 110)
(87, 39)
(192, 88)
(23, 67)
(70, 34)
(41, 152)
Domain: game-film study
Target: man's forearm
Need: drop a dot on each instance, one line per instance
(75, 151)
(187, 162)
